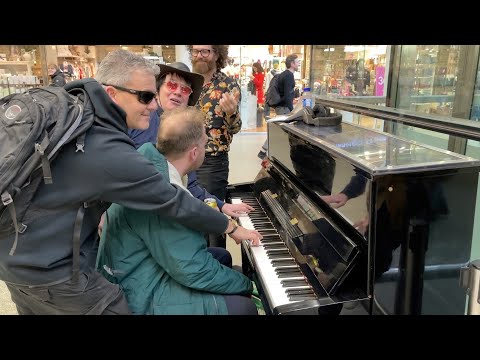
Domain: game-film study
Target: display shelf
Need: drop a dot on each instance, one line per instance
(17, 64)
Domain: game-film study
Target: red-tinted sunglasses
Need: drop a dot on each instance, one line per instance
(172, 86)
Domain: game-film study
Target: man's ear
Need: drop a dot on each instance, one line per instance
(111, 92)
(193, 153)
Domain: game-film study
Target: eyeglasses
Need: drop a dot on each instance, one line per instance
(204, 52)
(172, 86)
(145, 97)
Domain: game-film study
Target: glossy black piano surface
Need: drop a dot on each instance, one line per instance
(396, 246)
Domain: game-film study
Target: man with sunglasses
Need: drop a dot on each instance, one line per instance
(42, 276)
(219, 100)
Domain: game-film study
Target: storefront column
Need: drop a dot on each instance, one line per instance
(182, 54)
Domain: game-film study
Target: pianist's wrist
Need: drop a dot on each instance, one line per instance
(232, 227)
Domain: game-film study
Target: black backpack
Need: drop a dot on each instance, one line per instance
(33, 127)
(272, 96)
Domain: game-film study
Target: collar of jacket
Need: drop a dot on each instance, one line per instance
(158, 160)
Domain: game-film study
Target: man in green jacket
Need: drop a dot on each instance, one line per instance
(176, 275)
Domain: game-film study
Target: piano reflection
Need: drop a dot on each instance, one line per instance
(396, 242)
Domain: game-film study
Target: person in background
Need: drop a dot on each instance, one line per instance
(286, 87)
(219, 100)
(270, 74)
(162, 266)
(57, 77)
(41, 277)
(258, 78)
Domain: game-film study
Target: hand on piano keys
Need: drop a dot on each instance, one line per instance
(253, 236)
(235, 210)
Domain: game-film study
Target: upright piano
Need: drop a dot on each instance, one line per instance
(396, 246)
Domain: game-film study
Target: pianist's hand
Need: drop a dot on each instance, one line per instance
(235, 210)
(336, 200)
(362, 225)
(244, 234)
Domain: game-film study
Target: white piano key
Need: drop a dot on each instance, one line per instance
(271, 283)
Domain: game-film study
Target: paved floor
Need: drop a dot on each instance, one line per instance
(6, 305)
(244, 166)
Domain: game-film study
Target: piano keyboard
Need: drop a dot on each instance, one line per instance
(281, 278)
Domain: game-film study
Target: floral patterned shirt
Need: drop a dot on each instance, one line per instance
(220, 129)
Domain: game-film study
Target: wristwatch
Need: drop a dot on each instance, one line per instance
(235, 227)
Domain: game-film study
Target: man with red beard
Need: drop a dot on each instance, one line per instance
(219, 100)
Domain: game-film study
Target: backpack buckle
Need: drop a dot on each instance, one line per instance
(80, 147)
(6, 198)
(38, 148)
(22, 228)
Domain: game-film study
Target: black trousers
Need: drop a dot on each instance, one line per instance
(91, 295)
(213, 176)
(222, 255)
(236, 304)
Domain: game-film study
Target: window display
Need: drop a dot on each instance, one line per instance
(348, 70)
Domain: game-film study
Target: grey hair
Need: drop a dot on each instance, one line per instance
(117, 67)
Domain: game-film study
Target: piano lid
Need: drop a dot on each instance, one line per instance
(377, 152)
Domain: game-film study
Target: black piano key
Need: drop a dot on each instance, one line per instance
(274, 246)
(293, 272)
(278, 252)
(277, 263)
(271, 236)
(288, 275)
(308, 291)
(264, 228)
(278, 256)
(271, 241)
(301, 298)
(293, 283)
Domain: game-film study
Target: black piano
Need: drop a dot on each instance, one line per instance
(396, 246)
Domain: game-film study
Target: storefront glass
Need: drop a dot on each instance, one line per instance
(427, 79)
(349, 70)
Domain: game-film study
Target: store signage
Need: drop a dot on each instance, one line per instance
(379, 80)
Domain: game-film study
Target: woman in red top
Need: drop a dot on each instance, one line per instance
(258, 78)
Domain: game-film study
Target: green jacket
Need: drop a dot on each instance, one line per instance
(163, 266)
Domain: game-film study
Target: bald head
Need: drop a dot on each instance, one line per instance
(180, 130)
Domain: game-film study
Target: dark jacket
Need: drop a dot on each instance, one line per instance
(58, 78)
(286, 86)
(110, 170)
(164, 267)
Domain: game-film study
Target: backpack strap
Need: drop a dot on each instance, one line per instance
(8, 202)
(77, 229)
(40, 148)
